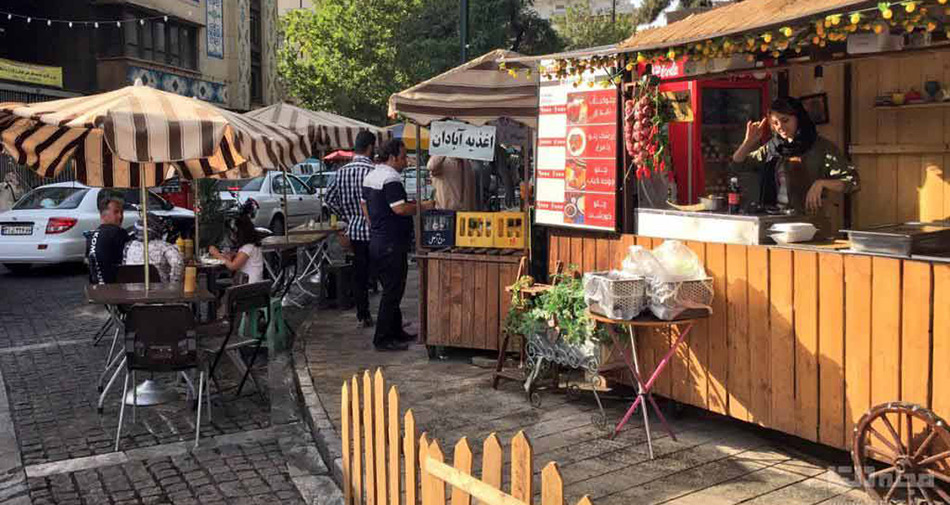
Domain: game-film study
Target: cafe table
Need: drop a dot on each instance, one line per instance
(307, 238)
(632, 362)
(149, 392)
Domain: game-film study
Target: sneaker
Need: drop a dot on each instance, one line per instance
(391, 346)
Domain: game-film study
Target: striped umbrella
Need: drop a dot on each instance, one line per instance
(324, 131)
(138, 135)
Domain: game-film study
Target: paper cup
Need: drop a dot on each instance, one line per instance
(191, 279)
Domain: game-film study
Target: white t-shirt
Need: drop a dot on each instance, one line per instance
(254, 266)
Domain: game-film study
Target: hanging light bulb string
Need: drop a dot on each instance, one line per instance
(82, 23)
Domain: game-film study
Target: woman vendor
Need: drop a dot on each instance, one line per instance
(796, 165)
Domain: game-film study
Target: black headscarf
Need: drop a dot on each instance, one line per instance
(804, 137)
(778, 148)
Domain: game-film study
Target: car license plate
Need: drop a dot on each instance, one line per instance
(17, 229)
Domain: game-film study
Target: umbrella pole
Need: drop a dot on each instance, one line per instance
(284, 189)
(144, 199)
(196, 207)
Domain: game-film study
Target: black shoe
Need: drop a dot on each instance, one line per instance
(367, 322)
(391, 346)
(406, 337)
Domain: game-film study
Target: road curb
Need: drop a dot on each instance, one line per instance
(321, 428)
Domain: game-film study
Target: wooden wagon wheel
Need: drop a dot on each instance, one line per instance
(901, 453)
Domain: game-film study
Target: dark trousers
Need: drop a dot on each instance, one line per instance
(391, 264)
(360, 278)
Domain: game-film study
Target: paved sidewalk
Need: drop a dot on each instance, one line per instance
(715, 461)
(251, 452)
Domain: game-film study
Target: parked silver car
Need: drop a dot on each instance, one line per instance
(46, 226)
(303, 202)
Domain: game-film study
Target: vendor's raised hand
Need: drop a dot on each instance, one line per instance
(813, 198)
(755, 130)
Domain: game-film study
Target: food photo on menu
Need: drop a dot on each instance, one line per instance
(575, 173)
(576, 109)
(576, 141)
(574, 208)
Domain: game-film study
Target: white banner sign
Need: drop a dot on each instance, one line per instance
(461, 140)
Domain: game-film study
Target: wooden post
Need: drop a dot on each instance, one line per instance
(421, 262)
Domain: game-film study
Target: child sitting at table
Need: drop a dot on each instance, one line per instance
(166, 257)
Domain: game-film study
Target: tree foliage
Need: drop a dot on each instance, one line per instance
(351, 55)
(583, 28)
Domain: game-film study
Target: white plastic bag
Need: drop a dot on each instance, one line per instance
(641, 262)
(679, 262)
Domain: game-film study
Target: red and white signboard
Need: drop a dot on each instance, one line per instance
(577, 153)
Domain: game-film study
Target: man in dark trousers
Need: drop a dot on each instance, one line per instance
(344, 196)
(390, 217)
(105, 245)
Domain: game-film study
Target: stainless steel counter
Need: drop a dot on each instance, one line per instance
(710, 226)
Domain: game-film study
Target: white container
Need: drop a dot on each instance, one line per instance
(865, 43)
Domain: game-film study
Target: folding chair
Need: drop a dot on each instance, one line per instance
(249, 308)
(161, 338)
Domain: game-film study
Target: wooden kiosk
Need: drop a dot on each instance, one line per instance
(814, 339)
(462, 299)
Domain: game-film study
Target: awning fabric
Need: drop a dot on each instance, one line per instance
(325, 130)
(475, 92)
(120, 136)
(407, 133)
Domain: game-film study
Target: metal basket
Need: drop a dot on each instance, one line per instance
(615, 295)
(669, 299)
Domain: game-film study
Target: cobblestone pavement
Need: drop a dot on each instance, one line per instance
(50, 370)
(715, 459)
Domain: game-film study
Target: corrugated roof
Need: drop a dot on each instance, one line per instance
(736, 18)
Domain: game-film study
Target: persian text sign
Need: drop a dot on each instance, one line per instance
(35, 74)
(577, 153)
(461, 140)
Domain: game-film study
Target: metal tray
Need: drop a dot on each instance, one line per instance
(902, 239)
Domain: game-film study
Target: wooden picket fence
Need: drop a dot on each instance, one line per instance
(382, 465)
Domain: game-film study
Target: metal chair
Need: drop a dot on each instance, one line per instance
(161, 338)
(249, 303)
(126, 274)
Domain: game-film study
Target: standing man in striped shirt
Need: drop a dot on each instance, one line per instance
(344, 197)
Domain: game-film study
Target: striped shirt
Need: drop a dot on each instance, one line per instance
(344, 197)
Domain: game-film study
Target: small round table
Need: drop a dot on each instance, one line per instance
(633, 363)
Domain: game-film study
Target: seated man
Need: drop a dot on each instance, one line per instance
(105, 245)
(166, 257)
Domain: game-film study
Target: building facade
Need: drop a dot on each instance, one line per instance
(221, 51)
(551, 8)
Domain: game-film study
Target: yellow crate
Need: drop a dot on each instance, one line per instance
(509, 230)
(474, 229)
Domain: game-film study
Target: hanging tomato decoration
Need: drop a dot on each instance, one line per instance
(646, 138)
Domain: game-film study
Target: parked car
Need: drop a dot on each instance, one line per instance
(46, 226)
(409, 180)
(303, 202)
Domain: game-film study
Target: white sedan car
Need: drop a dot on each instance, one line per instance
(303, 202)
(46, 226)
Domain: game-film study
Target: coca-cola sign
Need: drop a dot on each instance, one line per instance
(668, 69)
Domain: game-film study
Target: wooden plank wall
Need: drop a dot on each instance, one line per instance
(466, 301)
(799, 341)
(902, 155)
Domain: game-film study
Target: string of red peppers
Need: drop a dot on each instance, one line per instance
(644, 130)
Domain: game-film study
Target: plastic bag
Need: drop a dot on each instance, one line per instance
(641, 262)
(679, 263)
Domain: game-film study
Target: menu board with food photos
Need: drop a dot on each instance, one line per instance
(577, 153)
